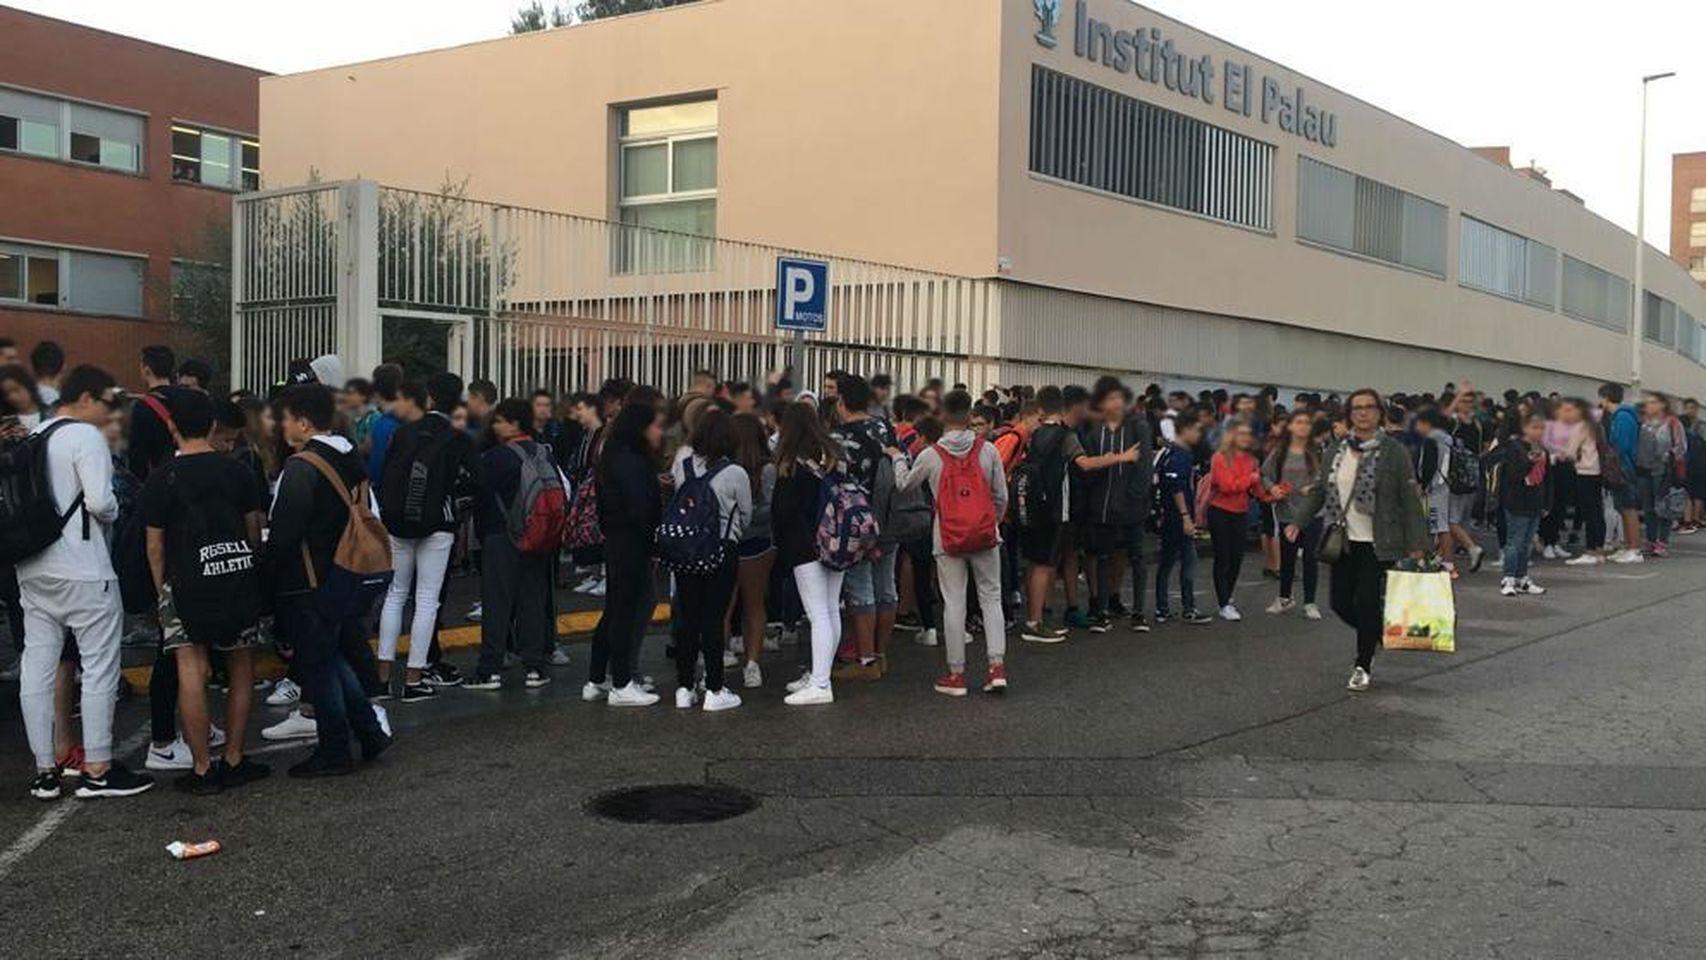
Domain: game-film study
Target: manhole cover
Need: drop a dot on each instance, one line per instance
(673, 803)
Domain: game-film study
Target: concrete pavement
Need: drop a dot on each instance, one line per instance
(1197, 792)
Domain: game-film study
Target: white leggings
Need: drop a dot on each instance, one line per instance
(820, 595)
(422, 561)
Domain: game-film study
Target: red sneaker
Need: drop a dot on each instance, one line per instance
(951, 684)
(996, 680)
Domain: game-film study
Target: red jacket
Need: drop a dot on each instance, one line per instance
(1236, 482)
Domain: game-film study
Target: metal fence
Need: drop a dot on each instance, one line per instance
(532, 298)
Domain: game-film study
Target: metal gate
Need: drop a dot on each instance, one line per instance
(541, 299)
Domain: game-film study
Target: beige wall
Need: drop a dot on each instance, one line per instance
(858, 127)
(1061, 236)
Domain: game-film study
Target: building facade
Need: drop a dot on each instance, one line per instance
(1147, 198)
(118, 161)
(1688, 212)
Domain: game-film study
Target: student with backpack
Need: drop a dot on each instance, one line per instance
(1116, 499)
(203, 517)
(699, 541)
(872, 597)
(807, 461)
(57, 502)
(1522, 480)
(629, 508)
(429, 466)
(331, 560)
(520, 521)
(1175, 512)
(969, 487)
(757, 552)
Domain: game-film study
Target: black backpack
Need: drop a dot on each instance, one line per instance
(209, 562)
(1036, 484)
(30, 518)
(416, 480)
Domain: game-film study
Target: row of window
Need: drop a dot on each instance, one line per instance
(1664, 323)
(71, 279)
(1349, 212)
(1094, 137)
(43, 126)
(1507, 264)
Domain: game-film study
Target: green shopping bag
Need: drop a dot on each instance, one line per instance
(1420, 612)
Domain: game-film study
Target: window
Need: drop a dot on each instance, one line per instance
(215, 159)
(72, 279)
(1697, 266)
(1697, 200)
(1507, 264)
(1658, 323)
(1697, 233)
(1339, 209)
(1595, 295)
(1093, 137)
(31, 123)
(668, 171)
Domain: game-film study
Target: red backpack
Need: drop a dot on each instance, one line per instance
(965, 506)
(537, 518)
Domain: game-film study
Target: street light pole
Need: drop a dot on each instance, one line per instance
(1637, 318)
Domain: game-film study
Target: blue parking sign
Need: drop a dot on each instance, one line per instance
(802, 294)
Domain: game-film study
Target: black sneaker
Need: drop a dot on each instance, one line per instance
(317, 766)
(1140, 624)
(1100, 623)
(536, 679)
(485, 681)
(1195, 619)
(1161, 616)
(1116, 608)
(908, 622)
(243, 773)
(373, 746)
(200, 784)
(416, 692)
(441, 675)
(116, 782)
(45, 786)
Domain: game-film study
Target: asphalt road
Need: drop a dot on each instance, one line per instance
(1199, 792)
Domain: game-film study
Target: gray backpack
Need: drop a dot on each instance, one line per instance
(902, 516)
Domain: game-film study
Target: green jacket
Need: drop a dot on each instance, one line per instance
(1400, 520)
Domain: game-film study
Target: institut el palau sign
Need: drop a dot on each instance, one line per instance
(1154, 58)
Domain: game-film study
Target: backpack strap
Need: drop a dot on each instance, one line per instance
(352, 497)
(77, 503)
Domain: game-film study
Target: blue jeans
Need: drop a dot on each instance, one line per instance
(341, 708)
(1519, 542)
(870, 587)
(1176, 548)
(1652, 489)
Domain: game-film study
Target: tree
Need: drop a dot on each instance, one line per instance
(598, 9)
(534, 17)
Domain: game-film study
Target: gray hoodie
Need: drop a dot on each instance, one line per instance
(927, 468)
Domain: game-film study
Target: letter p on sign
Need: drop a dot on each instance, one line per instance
(802, 294)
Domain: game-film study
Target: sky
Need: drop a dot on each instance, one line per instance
(1558, 82)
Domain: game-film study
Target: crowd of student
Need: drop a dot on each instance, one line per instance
(308, 520)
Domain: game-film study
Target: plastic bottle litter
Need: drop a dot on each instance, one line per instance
(189, 851)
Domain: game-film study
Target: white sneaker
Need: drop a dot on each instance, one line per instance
(1476, 555)
(730, 659)
(685, 698)
(631, 696)
(753, 675)
(1281, 605)
(284, 693)
(383, 718)
(560, 657)
(215, 736)
(1359, 681)
(724, 699)
(594, 692)
(1553, 553)
(176, 756)
(1507, 587)
(1311, 612)
(597, 589)
(476, 612)
(772, 637)
(1585, 560)
(812, 695)
(294, 727)
(1230, 612)
(927, 638)
(585, 585)
(795, 686)
(1628, 556)
(1525, 585)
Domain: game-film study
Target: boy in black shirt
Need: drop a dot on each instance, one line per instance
(203, 516)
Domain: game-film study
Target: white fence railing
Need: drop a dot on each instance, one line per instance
(533, 298)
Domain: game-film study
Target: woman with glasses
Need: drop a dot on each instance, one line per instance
(1371, 517)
